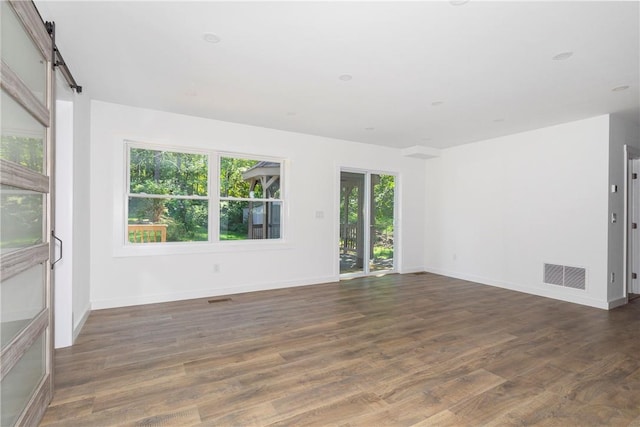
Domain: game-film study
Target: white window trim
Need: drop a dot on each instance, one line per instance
(121, 245)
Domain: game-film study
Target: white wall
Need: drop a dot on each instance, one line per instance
(309, 254)
(621, 132)
(71, 294)
(497, 210)
(64, 227)
(81, 211)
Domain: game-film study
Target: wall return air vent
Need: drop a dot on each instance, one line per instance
(563, 275)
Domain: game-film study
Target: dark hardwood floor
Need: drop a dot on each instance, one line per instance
(400, 350)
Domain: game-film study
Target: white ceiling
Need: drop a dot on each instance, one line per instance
(278, 64)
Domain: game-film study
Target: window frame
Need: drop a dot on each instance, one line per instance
(123, 247)
(127, 193)
(264, 200)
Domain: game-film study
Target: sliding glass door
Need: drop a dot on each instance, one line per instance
(382, 222)
(352, 226)
(26, 380)
(367, 223)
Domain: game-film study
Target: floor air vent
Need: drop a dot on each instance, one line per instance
(563, 275)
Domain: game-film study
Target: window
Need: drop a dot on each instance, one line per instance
(250, 201)
(169, 196)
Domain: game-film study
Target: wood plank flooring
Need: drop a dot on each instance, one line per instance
(399, 350)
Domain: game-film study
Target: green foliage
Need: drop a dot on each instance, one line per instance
(188, 220)
(232, 218)
(232, 235)
(349, 200)
(21, 212)
(380, 252)
(383, 198)
(27, 152)
(20, 219)
(383, 195)
(168, 172)
(156, 172)
(231, 182)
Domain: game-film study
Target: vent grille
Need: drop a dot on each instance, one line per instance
(574, 277)
(563, 275)
(553, 274)
(215, 300)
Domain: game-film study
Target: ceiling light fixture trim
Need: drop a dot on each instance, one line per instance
(211, 38)
(620, 88)
(562, 56)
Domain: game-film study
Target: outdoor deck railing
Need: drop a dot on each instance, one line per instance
(257, 231)
(147, 233)
(348, 236)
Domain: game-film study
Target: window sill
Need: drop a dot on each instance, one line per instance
(159, 249)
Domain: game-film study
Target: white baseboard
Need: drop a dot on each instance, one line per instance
(409, 270)
(83, 319)
(562, 294)
(209, 292)
(618, 302)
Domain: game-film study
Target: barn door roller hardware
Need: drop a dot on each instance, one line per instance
(58, 61)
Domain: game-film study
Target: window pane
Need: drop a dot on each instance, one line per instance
(21, 299)
(22, 137)
(170, 220)
(167, 172)
(21, 54)
(20, 383)
(352, 222)
(21, 213)
(246, 179)
(382, 205)
(242, 220)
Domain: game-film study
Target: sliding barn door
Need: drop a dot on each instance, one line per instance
(26, 377)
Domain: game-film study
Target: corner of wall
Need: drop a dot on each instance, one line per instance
(82, 220)
(77, 328)
(497, 210)
(621, 133)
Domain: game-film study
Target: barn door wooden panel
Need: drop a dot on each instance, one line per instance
(26, 209)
